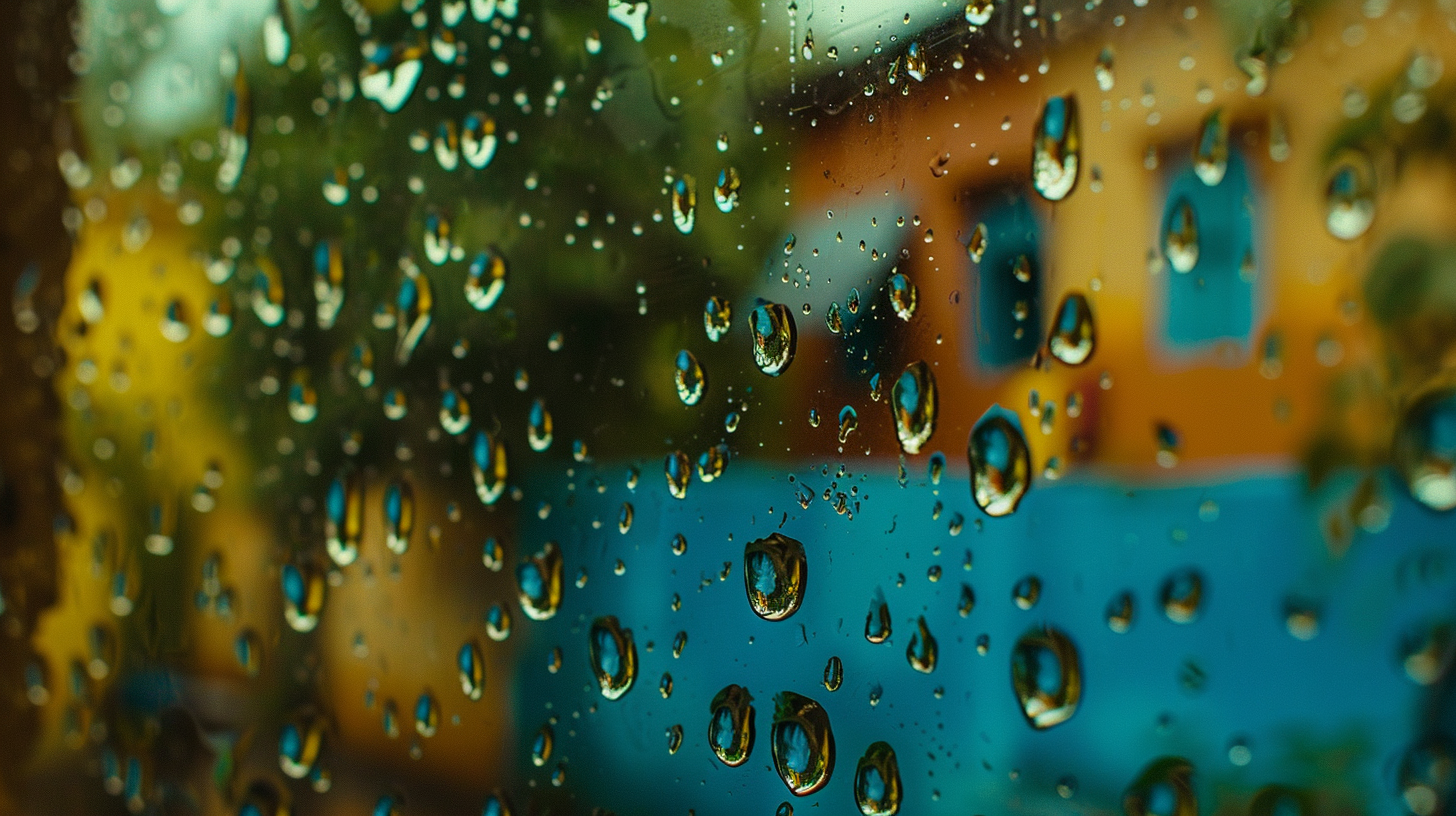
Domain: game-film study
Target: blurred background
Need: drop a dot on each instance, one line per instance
(516, 406)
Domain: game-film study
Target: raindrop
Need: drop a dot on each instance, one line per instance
(1046, 674)
(877, 781)
(1350, 196)
(477, 139)
(914, 403)
(613, 657)
(1164, 788)
(730, 725)
(1210, 154)
(488, 467)
(802, 743)
(1073, 334)
(538, 426)
(903, 295)
(1180, 237)
(877, 622)
(689, 377)
(833, 674)
(485, 279)
(684, 203)
(679, 473)
(344, 521)
(538, 583)
(399, 516)
(725, 192)
(774, 337)
(923, 650)
(471, 664)
(717, 317)
(1182, 595)
(1000, 463)
(775, 575)
(1056, 149)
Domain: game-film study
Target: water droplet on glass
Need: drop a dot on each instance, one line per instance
(1210, 153)
(303, 596)
(774, 337)
(539, 426)
(833, 674)
(848, 422)
(725, 192)
(1106, 79)
(877, 781)
(684, 201)
(613, 657)
(978, 12)
(1046, 674)
(923, 650)
(877, 622)
(775, 575)
(1056, 148)
(344, 518)
(1000, 463)
(1026, 592)
(903, 295)
(390, 74)
(1119, 613)
(485, 279)
(1350, 196)
(1164, 788)
(730, 725)
(1073, 334)
(399, 516)
(488, 467)
(802, 743)
(914, 403)
(471, 665)
(1180, 237)
(689, 377)
(538, 583)
(679, 473)
(1182, 595)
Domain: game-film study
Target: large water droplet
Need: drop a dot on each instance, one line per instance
(923, 650)
(477, 139)
(488, 467)
(303, 596)
(539, 426)
(1182, 595)
(299, 744)
(1000, 463)
(730, 725)
(454, 412)
(774, 337)
(1180, 237)
(1210, 153)
(613, 657)
(538, 582)
(684, 200)
(1046, 674)
(1350, 196)
(414, 305)
(485, 279)
(877, 781)
(267, 292)
(1164, 788)
(775, 574)
(725, 192)
(717, 317)
(471, 665)
(344, 518)
(904, 295)
(877, 622)
(1056, 148)
(679, 473)
(328, 282)
(802, 743)
(915, 404)
(1424, 448)
(399, 516)
(1073, 334)
(689, 377)
(389, 75)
